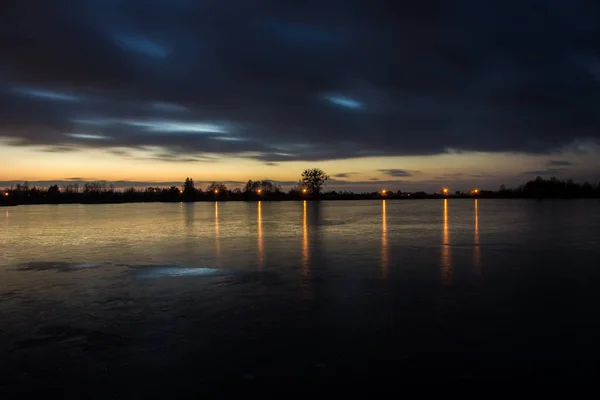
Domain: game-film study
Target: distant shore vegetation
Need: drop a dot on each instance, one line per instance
(310, 187)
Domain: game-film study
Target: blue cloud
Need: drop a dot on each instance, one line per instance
(343, 101)
(48, 94)
(87, 136)
(177, 126)
(162, 106)
(142, 45)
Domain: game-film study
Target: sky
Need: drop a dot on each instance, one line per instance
(401, 95)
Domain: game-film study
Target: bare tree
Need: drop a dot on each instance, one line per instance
(314, 179)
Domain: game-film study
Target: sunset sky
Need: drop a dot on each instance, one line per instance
(379, 94)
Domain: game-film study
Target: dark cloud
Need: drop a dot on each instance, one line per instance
(344, 174)
(118, 152)
(453, 176)
(397, 172)
(373, 179)
(57, 149)
(271, 164)
(549, 171)
(278, 82)
(174, 157)
(559, 163)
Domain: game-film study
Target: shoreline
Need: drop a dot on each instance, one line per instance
(293, 200)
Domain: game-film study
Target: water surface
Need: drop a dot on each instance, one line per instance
(113, 301)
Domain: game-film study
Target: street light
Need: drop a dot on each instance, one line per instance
(445, 190)
(259, 191)
(216, 191)
(383, 192)
(6, 193)
(304, 190)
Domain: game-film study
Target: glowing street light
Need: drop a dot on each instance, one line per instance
(259, 191)
(475, 191)
(445, 191)
(383, 192)
(6, 193)
(180, 191)
(216, 191)
(304, 190)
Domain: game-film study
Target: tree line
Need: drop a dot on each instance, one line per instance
(310, 186)
(549, 188)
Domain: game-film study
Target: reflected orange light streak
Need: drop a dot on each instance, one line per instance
(305, 257)
(476, 249)
(384, 241)
(261, 257)
(217, 241)
(446, 263)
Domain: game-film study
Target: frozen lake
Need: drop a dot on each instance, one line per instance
(139, 299)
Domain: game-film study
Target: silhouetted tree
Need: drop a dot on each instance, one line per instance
(92, 188)
(109, 190)
(53, 191)
(22, 188)
(250, 186)
(189, 187)
(314, 179)
(265, 186)
(218, 187)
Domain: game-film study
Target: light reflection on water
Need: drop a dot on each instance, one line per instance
(149, 288)
(305, 255)
(384, 241)
(217, 238)
(446, 252)
(476, 248)
(261, 255)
